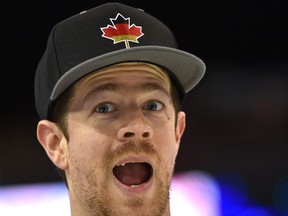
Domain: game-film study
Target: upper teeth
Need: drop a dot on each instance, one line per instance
(123, 164)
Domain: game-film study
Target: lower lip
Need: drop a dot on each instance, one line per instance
(139, 189)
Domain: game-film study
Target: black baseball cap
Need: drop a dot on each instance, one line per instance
(105, 35)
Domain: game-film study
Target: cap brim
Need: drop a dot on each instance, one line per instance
(187, 68)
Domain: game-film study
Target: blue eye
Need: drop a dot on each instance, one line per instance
(105, 108)
(153, 106)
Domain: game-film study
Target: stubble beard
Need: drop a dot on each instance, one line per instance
(98, 202)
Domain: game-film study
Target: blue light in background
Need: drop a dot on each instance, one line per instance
(233, 193)
(280, 196)
(235, 200)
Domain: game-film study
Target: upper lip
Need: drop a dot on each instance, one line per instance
(133, 159)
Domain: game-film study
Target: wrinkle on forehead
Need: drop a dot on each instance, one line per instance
(127, 67)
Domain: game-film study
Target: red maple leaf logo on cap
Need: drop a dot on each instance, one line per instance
(122, 31)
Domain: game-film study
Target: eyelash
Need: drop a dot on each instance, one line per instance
(111, 107)
(155, 102)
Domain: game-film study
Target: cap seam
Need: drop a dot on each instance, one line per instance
(55, 51)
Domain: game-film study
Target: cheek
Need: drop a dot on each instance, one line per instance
(85, 161)
(166, 142)
(88, 145)
(92, 147)
(88, 137)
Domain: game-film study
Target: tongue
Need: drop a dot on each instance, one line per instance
(133, 173)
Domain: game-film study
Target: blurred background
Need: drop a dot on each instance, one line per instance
(237, 117)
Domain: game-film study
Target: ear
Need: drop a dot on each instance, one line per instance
(180, 127)
(54, 142)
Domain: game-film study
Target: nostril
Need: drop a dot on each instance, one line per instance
(129, 134)
(146, 134)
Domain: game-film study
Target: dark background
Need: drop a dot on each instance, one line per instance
(237, 117)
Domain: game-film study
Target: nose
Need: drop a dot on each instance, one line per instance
(137, 129)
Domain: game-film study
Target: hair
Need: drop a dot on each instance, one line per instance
(60, 108)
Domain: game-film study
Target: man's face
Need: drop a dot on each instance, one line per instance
(122, 142)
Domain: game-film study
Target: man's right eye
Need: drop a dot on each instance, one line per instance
(105, 108)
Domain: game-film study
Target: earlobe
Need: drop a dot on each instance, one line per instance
(181, 125)
(54, 142)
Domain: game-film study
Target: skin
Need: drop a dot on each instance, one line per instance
(132, 120)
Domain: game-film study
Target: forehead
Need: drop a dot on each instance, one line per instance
(138, 70)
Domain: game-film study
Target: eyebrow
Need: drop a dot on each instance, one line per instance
(112, 87)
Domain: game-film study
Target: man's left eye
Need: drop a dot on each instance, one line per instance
(153, 106)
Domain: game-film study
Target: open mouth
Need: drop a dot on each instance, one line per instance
(133, 174)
